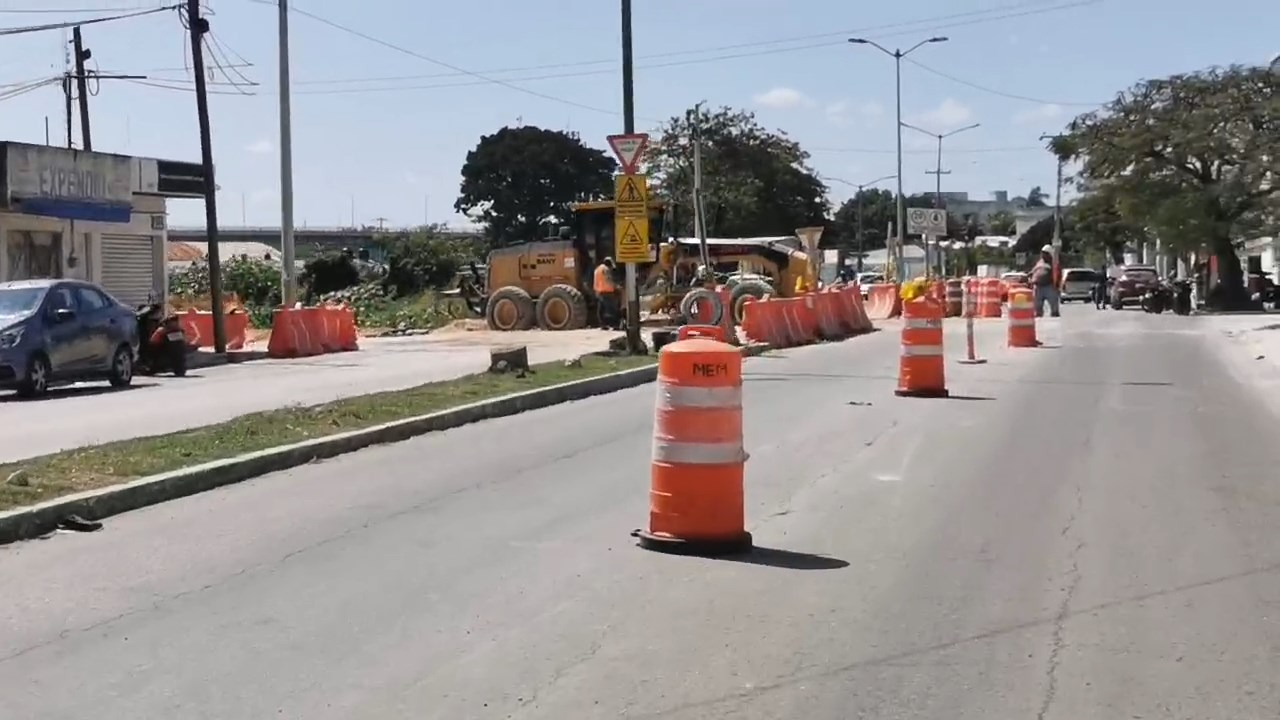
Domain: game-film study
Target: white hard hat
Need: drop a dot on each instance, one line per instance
(1046, 249)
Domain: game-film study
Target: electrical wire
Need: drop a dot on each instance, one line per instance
(964, 151)
(57, 11)
(20, 90)
(998, 93)
(218, 56)
(90, 21)
(161, 85)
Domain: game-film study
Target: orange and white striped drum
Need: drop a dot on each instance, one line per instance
(922, 366)
(1022, 318)
(989, 301)
(696, 503)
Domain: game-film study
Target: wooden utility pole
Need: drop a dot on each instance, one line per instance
(635, 343)
(199, 26)
(82, 87)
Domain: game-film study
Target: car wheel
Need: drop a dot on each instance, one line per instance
(36, 381)
(121, 367)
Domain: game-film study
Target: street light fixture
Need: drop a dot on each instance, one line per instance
(938, 173)
(857, 199)
(897, 56)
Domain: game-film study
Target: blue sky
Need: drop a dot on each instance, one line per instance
(393, 148)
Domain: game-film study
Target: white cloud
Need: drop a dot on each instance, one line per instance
(783, 98)
(261, 147)
(1039, 113)
(948, 116)
(845, 112)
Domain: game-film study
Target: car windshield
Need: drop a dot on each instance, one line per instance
(20, 301)
(1081, 276)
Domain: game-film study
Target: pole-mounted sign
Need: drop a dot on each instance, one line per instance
(629, 149)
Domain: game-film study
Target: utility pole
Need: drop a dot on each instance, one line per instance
(634, 344)
(288, 264)
(199, 26)
(897, 55)
(82, 83)
(939, 172)
(1057, 213)
(66, 96)
(699, 212)
(381, 223)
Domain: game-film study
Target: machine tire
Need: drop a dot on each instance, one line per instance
(35, 381)
(561, 300)
(742, 291)
(510, 308)
(702, 295)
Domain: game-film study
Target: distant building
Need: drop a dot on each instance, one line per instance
(962, 207)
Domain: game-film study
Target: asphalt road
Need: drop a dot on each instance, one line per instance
(94, 413)
(1089, 532)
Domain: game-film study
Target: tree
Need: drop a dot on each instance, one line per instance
(518, 179)
(1037, 197)
(1100, 225)
(754, 182)
(1192, 157)
(1001, 222)
(878, 210)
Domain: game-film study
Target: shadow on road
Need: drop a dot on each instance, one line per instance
(787, 559)
(77, 391)
(969, 397)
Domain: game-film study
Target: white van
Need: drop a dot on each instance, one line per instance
(1077, 283)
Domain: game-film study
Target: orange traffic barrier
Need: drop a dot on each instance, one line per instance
(883, 301)
(938, 290)
(921, 367)
(830, 310)
(198, 327)
(303, 332)
(1022, 318)
(696, 503)
(856, 314)
(989, 302)
(954, 297)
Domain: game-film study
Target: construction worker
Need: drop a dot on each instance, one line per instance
(606, 290)
(1042, 283)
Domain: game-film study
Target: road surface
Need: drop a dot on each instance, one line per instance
(93, 413)
(1089, 531)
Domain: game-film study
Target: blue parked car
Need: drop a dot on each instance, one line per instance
(62, 331)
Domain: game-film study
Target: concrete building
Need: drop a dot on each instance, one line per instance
(962, 207)
(88, 215)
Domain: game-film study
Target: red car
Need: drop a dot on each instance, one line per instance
(1133, 282)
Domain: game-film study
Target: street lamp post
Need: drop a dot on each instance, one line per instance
(897, 55)
(938, 173)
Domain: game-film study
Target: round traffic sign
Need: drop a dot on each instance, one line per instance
(937, 218)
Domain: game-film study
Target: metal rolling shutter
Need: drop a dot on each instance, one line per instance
(128, 267)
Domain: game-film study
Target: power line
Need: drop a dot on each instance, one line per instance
(969, 151)
(58, 11)
(89, 21)
(19, 90)
(993, 91)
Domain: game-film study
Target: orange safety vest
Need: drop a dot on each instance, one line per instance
(603, 284)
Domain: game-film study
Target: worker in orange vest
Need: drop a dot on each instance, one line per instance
(606, 290)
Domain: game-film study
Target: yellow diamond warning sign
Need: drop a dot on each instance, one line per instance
(631, 240)
(631, 195)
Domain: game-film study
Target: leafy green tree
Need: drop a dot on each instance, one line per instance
(1001, 222)
(1100, 225)
(878, 209)
(754, 182)
(1192, 157)
(1037, 197)
(518, 179)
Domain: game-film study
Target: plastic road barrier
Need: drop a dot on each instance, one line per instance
(989, 303)
(696, 504)
(921, 367)
(1022, 318)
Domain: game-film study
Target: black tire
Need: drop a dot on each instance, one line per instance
(742, 291)
(121, 373)
(697, 295)
(35, 382)
(510, 308)
(561, 307)
(178, 361)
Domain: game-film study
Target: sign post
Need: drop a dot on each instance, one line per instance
(927, 223)
(631, 222)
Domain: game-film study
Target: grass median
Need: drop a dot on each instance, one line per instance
(34, 480)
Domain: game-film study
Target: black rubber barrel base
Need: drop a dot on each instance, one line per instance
(923, 393)
(701, 548)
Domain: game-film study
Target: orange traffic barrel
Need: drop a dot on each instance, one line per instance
(921, 367)
(989, 300)
(696, 504)
(1022, 318)
(955, 297)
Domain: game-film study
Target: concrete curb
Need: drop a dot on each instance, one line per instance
(33, 521)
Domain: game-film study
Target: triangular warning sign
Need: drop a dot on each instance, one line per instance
(629, 192)
(631, 235)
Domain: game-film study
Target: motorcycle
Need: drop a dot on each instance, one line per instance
(162, 345)
(1157, 299)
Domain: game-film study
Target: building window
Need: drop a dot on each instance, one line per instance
(32, 254)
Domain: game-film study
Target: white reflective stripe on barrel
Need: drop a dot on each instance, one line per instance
(671, 397)
(680, 453)
(922, 350)
(1022, 322)
(1021, 305)
(923, 323)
